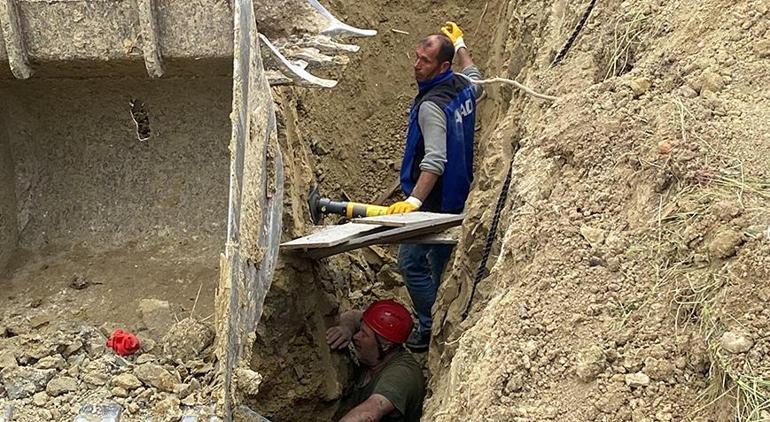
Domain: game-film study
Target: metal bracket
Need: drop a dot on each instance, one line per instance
(14, 39)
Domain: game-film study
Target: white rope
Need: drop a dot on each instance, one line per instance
(517, 85)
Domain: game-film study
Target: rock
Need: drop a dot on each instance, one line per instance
(132, 407)
(616, 243)
(61, 385)
(688, 92)
(736, 342)
(7, 359)
(21, 381)
(127, 381)
(195, 385)
(119, 392)
(155, 376)
(72, 348)
(51, 362)
(39, 320)
(514, 384)
(187, 339)
(659, 369)
(762, 48)
(725, 244)
(40, 399)
(388, 277)
(640, 86)
(73, 371)
(639, 379)
(590, 364)
(146, 394)
(726, 210)
(79, 282)
(146, 344)
(664, 147)
(710, 81)
(594, 236)
(145, 358)
(157, 316)
(199, 367)
(190, 401)
(95, 378)
(167, 409)
(248, 381)
(183, 390)
(96, 345)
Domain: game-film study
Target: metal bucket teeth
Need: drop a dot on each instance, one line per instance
(303, 30)
(284, 18)
(315, 58)
(337, 27)
(322, 43)
(275, 60)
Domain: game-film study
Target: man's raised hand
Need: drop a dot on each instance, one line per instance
(338, 337)
(451, 30)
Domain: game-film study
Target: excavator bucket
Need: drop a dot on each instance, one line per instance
(45, 35)
(136, 136)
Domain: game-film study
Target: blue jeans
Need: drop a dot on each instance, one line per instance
(422, 266)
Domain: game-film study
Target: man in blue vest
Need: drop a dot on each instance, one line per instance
(437, 169)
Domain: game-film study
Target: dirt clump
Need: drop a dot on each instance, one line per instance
(187, 339)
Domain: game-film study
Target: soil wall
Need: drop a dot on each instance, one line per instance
(635, 219)
(8, 233)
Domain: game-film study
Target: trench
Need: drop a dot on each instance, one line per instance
(555, 330)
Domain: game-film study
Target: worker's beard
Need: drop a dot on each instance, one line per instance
(365, 358)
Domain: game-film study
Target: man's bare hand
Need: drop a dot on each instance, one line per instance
(338, 337)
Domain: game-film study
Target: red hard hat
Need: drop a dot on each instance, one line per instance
(391, 320)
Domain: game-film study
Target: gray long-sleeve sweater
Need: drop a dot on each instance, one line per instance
(432, 123)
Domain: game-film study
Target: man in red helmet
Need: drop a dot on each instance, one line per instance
(390, 385)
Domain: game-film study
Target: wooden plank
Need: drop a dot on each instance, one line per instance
(394, 235)
(330, 236)
(447, 237)
(401, 220)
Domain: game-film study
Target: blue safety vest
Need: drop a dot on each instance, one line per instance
(455, 96)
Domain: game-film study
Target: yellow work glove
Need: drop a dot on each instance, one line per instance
(403, 207)
(451, 30)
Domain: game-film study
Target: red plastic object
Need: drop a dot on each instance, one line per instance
(123, 342)
(389, 319)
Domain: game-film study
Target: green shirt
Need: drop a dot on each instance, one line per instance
(400, 381)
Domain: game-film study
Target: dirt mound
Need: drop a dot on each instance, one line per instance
(633, 262)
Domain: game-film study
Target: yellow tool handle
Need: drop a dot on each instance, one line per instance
(357, 209)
